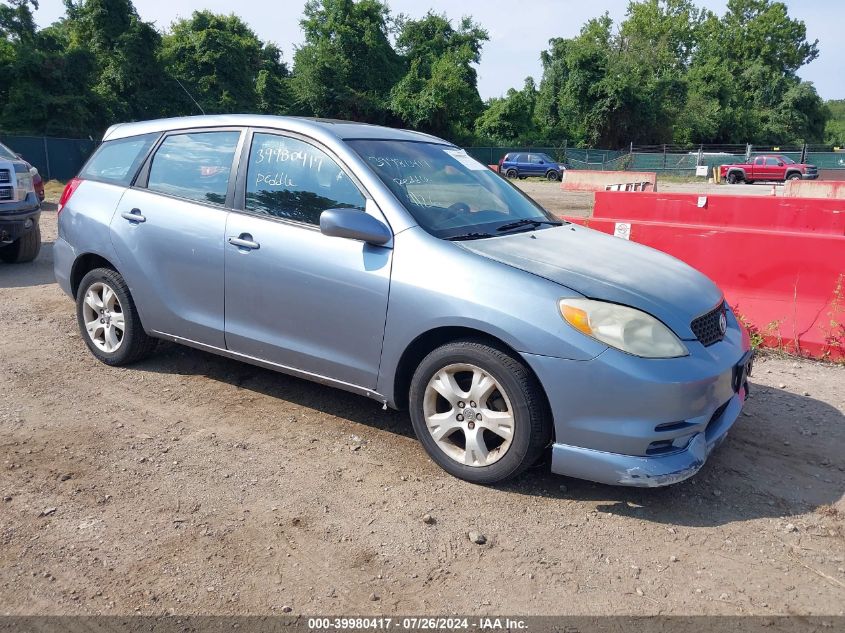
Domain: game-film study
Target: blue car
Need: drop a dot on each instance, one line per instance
(524, 164)
(391, 264)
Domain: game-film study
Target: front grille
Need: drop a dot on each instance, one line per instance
(5, 176)
(706, 327)
(6, 193)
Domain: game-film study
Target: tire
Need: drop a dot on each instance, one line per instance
(735, 177)
(24, 249)
(515, 398)
(552, 176)
(133, 343)
(794, 176)
(521, 177)
(511, 173)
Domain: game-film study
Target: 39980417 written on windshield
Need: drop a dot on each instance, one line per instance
(450, 194)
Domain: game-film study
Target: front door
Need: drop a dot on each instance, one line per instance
(168, 233)
(294, 296)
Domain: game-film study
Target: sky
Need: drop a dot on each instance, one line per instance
(518, 30)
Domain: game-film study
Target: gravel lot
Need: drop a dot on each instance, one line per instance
(194, 484)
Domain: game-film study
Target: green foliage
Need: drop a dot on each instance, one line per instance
(834, 132)
(347, 66)
(673, 72)
(669, 72)
(439, 93)
(509, 119)
(223, 65)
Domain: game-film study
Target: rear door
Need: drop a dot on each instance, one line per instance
(294, 296)
(168, 233)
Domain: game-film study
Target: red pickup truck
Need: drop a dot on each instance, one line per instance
(768, 167)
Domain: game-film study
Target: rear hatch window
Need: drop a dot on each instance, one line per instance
(118, 161)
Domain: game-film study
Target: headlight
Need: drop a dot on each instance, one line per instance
(624, 328)
(24, 185)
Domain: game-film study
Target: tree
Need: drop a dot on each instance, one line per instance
(676, 73)
(509, 119)
(219, 61)
(834, 132)
(439, 92)
(347, 66)
(47, 86)
(130, 79)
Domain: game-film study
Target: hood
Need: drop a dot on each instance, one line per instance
(600, 266)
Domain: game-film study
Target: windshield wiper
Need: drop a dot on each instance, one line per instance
(468, 236)
(526, 222)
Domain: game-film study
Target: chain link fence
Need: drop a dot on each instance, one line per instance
(668, 159)
(62, 158)
(55, 158)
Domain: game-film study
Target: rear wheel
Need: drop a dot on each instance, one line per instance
(24, 249)
(108, 319)
(479, 412)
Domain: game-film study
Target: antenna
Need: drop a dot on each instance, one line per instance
(189, 95)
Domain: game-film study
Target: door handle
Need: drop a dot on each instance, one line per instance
(244, 240)
(133, 216)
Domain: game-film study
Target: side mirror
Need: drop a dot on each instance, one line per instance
(354, 224)
(542, 162)
(780, 163)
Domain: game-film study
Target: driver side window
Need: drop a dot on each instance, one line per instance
(291, 179)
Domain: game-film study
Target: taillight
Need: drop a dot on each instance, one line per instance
(70, 187)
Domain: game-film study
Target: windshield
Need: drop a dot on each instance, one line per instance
(450, 194)
(547, 158)
(787, 160)
(6, 153)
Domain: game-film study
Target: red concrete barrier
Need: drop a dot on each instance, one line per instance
(780, 261)
(814, 189)
(591, 180)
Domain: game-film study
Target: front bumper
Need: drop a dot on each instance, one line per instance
(623, 420)
(810, 176)
(647, 471)
(18, 218)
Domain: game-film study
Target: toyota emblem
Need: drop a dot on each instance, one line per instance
(723, 323)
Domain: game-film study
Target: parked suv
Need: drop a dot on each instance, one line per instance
(524, 164)
(393, 265)
(772, 167)
(20, 210)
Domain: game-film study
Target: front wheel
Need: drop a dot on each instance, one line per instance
(108, 319)
(511, 173)
(733, 178)
(479, 412)
(794, 177)
(552, 176)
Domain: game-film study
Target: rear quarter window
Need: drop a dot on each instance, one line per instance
(118, 161)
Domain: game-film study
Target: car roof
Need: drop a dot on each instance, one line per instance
(322, 129)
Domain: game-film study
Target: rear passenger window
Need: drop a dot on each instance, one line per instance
(288, 178)
(118, 161)
(194, 166)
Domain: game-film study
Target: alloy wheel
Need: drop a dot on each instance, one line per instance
(104, 317)
(468, 414)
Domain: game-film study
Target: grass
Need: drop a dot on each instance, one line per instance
(53, 190)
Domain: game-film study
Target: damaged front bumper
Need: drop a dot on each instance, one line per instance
(647, 471)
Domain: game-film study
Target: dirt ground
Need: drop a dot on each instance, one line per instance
(194, 484)
(580, 204)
